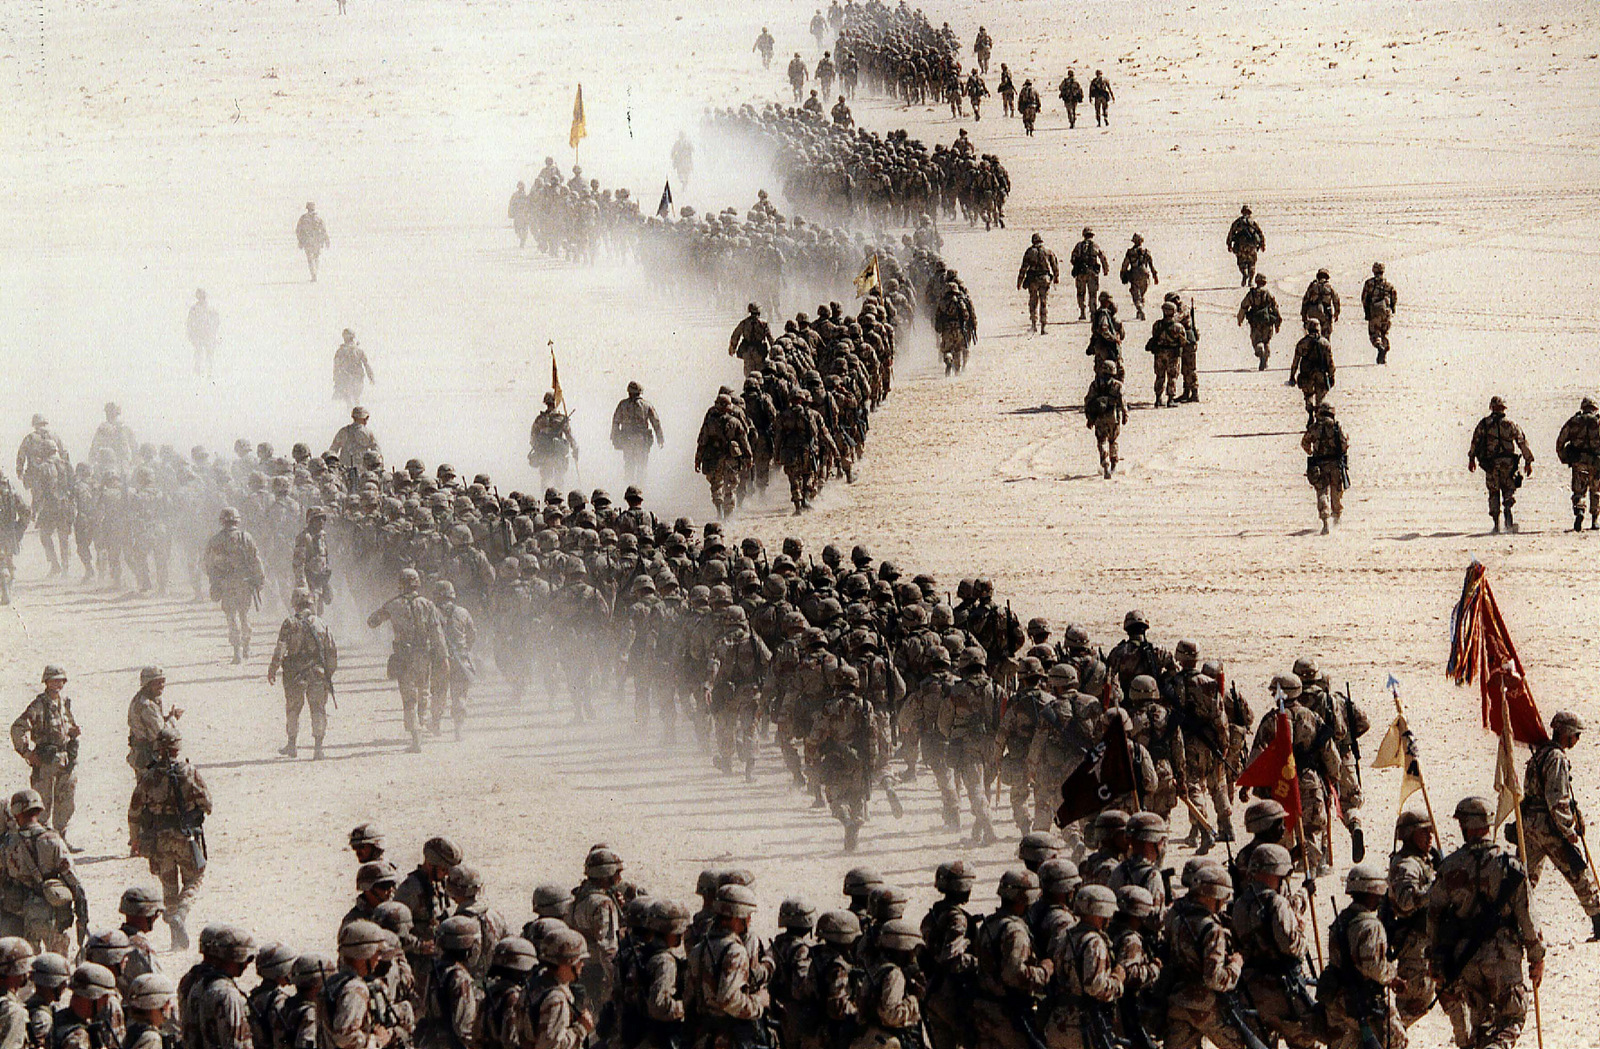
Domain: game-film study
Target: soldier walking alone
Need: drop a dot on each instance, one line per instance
(1260, 308)
(1578, 448)
(1038, 271)
(635, 426)
(1088, 263)
(1246, 241)
(202, 327)
(312, 236)
(165, 826)
(351, 370)
(307, 657)
(46, 735)
(1326, 449)
(419, 649)
(233, 564)
(1378, 301)
(1496, 444)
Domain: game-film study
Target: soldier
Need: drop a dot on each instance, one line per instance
(366, 841)
(351, 370)
(202, 327)
(45, 469)
(1201, 964)
(1088, 262)
(147, 716)
(1320, 303)
(459, 670)
(948, 962)
(1009, 974)
(1028, 104)
(1482, 927)
(38, 864)
(1260, 308)
(1578, 447)
(1105, 412)
(1327, 453)
(1071, 92)
(1496, 443)
(1013, 738)
(113, 446)
(1100, 96)
(553, 1018)
(791, 964)
(1246, 241)
(14, 516)
(1551, 822)
(889, 1003)
(1269, 928)
(1378, 302)
(955, 322)
(597, 914)
(1411, 878)
(80, 1024)
(550, 442)
(166, 818)
(1204, 723)
(16, 964)
(46, 735)
(450, 1009)
(376, 882)
(1088, 978)
(1039, 270)
(1147, 846)
(234, 568)
(1106, 334)
(728, 982)
(353, 442)
(151, 1008)
(274, 963)
(139, 907)
(419, 653)
(1312, 369)
(49, 973)
(213, 1012)
(312, 569)
(1360, 1002)
(739, 662)
(345, 1008)
(1135, 655)
(764, 44)
(312, 236)
(422, 893)
(634, 427)
(1138, 272)
(1169, 339)
(842, 747)
(308, 657)
(797, 75)
(504, 1007)
(722, 451)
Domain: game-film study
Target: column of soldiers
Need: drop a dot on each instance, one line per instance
(1101, 953)
(897, 52)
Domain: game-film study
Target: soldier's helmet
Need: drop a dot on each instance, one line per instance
(1059, 875)
(550, 399)
(1088, 234)
(754, 308)
(139, 901)
(275, 961)
(551, 900)
(1261, 280)
(410, 579)
(25, 801)
(847, 678)
(1288, 684)
(1135, 901)
(734, 901)
(1472, 812)
(16, 956)
(1377, 269)
(601, 863)
(514, 953)
(1095, 901)
(1169, 308)
(1497, 404)
(954, 876)
(1143, 689)
(1038, 846)
(1587, 404)
(366, 834)
(93, 981)
(1063, 676)
(149, 674)
(227, 943)
(1271, 859)
(563, 947)
(1030, 668)
(360, 939)
(375, 875)
(859, 881)
(1147, 827)
(107, 948)
(1262, 814)
(229, 516)
(634, 389)
(1566, 721)
(359, 414)
(898, 934)
(1366, 877)
(1313, 325)
(308, 969)
(796, 913)
(838, 927)
(1019, 885)
(1411, 820)
(1212, 883)
(1038, 238)
(1244, 209)
(441, 852)
(1135, 620)
(151, 991)
(1305, 668)
(459, 933)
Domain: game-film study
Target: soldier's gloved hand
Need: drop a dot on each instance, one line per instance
(1528, 470)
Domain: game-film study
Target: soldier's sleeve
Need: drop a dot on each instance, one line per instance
(661, 1001)
(137, 806)
(347, 1020)
(1526, 925)
(199, 793)
(1219, 964)
(1139, 967)
(896, 1008)
(281, 649)
(464, 1013)
(1101, 976)
(1522, 443)
(1558, 794)
(1017, 967)
(1369, 950)
(1287, 922)
(1409, 882)
(22, 731)
(730, 994)
(230, 1023)
(143, 722)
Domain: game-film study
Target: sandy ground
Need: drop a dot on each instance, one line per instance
(152, 147)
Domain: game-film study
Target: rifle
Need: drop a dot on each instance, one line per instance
(327, 674)
(1350, 730)
(1237, 1017)
(1098, 1032)
(191, 823)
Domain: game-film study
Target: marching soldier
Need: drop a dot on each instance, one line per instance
(307, 657)
(1105, 412)
(419, 649)
(1360, 1003)
(1168, 340)
(312, 236)
(1088, 978)
(351, 371)
(1138, 273)
(166, 821)
(1482, 928)
(233, 565)
(1496, 444)
(634, 427)
(1378, 302)
(36, 861)
(550, 442)
(728, 982)
(751, 340)
(1312, 369)
(1010, 975)
(1327, 452)
(1204, 965)
(1088, 263)
(1578, 447)
(1100, 96)
(1551, 822)
(722, 452)
(312, 569)
(46, 735)
(147, 716)
(1260, 308)
(1270, 931)
(1246, 241)
(1411, 877)
(1321, 303)
(842, 747)
(1039, 270)
(353, 442)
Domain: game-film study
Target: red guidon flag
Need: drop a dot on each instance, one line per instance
(1106, 773)
(1274, 769)
(1481, 651)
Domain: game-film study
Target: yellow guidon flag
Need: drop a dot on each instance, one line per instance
(580, 128)
(555, 378)
(1399, 751)
(868, 278)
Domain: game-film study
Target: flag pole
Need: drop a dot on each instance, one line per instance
(1522, 836)
(1427, 801)
(1311, 895)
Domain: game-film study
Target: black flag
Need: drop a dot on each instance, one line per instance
(664, 209)
(1106, 773)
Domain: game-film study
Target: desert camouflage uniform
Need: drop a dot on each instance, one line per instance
(1009, 977)
(1087, 974)
(1553, 825)
(1411, 877)
(1496, 443)
(1358, 951)
(1578, 446)
(46, 735)
(1270, 930)
(213, 1011)
(170, 796)
(307, 657)
(1203, 964)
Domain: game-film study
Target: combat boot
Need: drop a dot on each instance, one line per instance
(1358, 844)
(316, 753)
(1496, 529)
(1511, 526)
(1577, 521)
(1594, 522)
(1595, 936)
(180, 935)
(852, 832)
(1324, 526)
(289, 750)
(1207, 842)
(237, 659)
(1225, 831)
